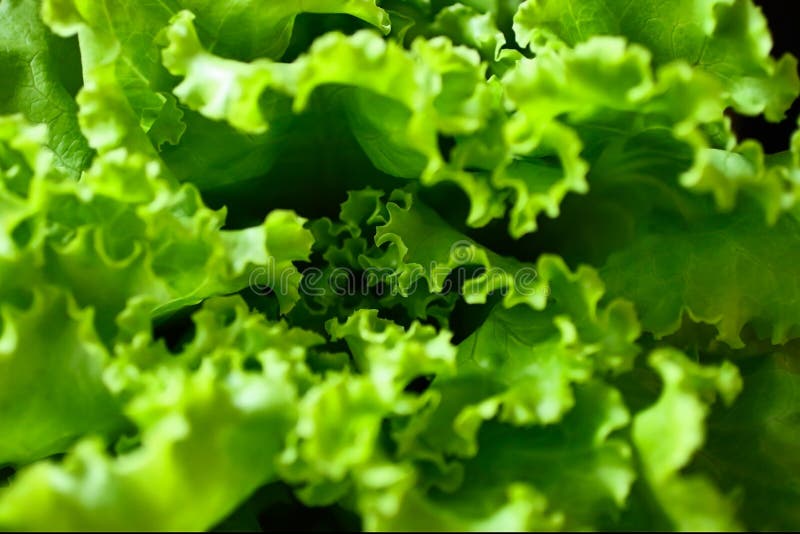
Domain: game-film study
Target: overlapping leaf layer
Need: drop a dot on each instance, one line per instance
(396, 265)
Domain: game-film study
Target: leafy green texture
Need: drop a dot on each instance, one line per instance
(754, 441)
(122, 239)
(204, 408)
(670, 431)
(40, 71)
(720, 272)
(65, 390)
(397, 265)
(726, 38)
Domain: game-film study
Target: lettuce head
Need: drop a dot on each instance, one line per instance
(398, 265)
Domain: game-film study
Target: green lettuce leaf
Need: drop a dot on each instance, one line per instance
(207, 416)
(40, 73)
(726, 38)
(52, 388)
(399, 100)
(674, 256)
(120, 43)
(670, 431)
(567, 476)
(77, 255)
(750, 446)
(718, 271)
(389, 265)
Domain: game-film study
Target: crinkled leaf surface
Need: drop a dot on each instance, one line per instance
(400, 265)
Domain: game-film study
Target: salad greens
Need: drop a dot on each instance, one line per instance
(396, 265)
